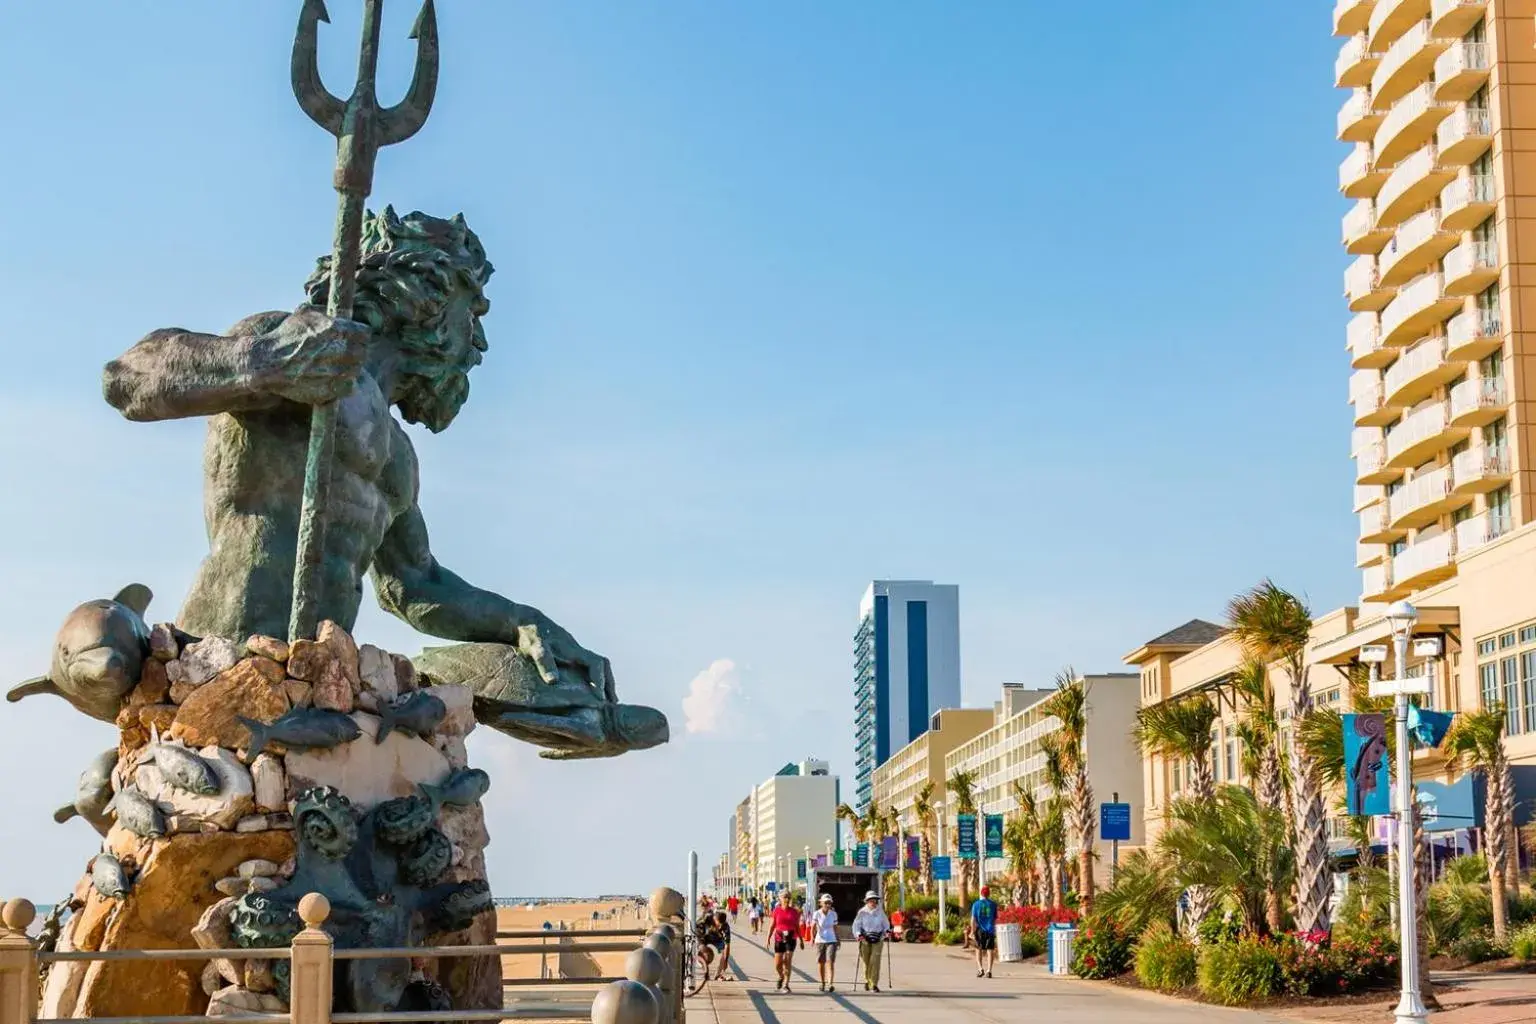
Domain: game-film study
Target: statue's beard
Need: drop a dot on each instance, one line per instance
(433, 399)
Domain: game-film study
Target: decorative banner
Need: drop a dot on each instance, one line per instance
(965, 829)
(1115, 822)
(840, 857)
(1428, 727)
(819, 861)
(1366, 777)
(861, 855)
(994, 835)
(940, 869)
(890, 854)
(914, 853)
(800, 868)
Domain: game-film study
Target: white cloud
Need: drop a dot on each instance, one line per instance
(713, 696)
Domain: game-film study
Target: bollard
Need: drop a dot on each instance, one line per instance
(310, 973)
(18, 964)
(647, 967)
(625, 1002)
(666, 903)
(660, 943)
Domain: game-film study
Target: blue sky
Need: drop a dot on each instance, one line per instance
(1038, 299)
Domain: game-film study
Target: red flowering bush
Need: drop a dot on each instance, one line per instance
(1313, 965)
(1036, 919)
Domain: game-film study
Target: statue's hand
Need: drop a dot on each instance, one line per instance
(552, 649)
(312, 358)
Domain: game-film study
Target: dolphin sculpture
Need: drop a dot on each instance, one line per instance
(97, 655)
(92, 794)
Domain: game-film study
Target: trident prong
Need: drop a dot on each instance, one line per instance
(361, 130)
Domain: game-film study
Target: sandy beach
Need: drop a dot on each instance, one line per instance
(574, 919)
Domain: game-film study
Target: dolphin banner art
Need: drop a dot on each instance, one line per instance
(1367, 780)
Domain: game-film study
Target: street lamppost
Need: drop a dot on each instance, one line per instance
(1401, 618)
(938, 811)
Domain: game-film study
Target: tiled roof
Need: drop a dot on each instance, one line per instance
(1194, 633)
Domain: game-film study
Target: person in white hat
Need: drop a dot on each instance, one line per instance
(824, 922)
(870, 927)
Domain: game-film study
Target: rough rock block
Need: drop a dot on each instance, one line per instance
(377, 670)
(203, 660)
(460, 702)
(368, 773)
(267, 647)
(252, 689)
(267, 778)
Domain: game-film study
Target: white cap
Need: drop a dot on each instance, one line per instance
(871, 895)
(826, 897)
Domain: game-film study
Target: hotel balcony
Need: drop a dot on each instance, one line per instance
(1410, 186)
(1358, 177)
(1368, 396)
(1416, 246)
(1376, 584)
(1351, 16)
(1466, 202)
(1418, 308)
(1366, 293)
(1420, 435)
(1473, 333)
(1417, 374)
(1421, 500)
(1365, 497)
(1425, 562)
(1361, 235)
(1460, 70)
(1355, 64)
(1363, 338)
(1462, 136)
(1369, 554)
(1479, 470)
(1478, 401)
(1371, 465)
(1410, 124)
(1358, 120)
(1470, 267)
(1449, 19)
(1376, 527)
(1486, 528)
(1391, 18)
(1407, 62)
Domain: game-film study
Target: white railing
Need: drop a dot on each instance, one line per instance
(1480, 463)
(1359, 281)
(1379, 14)
(1481, 529)
(1424, 489)
(1416, 427)
(1409, 170)
(1364, 331)
(1414, 363)
(1410, 234)
(1478, 393)
(1464, 123)
(1355, 166)
(1364, 385)
(1370, 459)
(1469, 325)
(1362, 438)
(1373, 521)
(1356, 107)
(1402, 50)
(1469, 257)
(1424, 555)
(1367, 495)
(1440, 8)
(1376, 579)
(1463, 56)
(1351, 53)
(1464, 191)
(1414, 104)
(1359, 221)
(1412, 298)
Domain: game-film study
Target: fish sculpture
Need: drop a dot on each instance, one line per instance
(460, 789)
(92, 793)
(108, 876)
(302, 729)
(416, 713)
(137, 813)
(181, 767)
(97, 655)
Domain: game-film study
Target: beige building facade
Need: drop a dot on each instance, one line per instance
(902, 777)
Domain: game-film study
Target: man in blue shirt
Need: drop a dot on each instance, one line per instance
(984, 927)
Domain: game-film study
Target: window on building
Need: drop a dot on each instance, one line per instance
(1232, 763)
(1499, 513)
(1488, 303)
(1176, 782)
(1506, 674)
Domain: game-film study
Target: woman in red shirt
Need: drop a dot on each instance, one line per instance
(784, 933)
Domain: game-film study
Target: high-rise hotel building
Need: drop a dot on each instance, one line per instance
(906, 666)
(1441, 115)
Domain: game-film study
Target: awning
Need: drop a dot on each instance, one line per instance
(1346, 649)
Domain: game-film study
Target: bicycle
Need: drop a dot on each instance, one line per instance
(696, 966)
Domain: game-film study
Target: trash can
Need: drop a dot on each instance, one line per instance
(1010, 948)
(1059, 941)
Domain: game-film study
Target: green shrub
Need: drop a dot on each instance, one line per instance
(1239, 972)
(1032, 944)
(1522, 944)
(1218, 928)
(1165, 961)
(1477, 947)
(1522, 907)
(1102, 950)
(952, 936)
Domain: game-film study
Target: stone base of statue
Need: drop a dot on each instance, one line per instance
(249, 775)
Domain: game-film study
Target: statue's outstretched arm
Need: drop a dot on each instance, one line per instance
(304, 357)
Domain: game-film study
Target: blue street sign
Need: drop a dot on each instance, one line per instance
(771, 886)
(940, 869)
(1115, 821)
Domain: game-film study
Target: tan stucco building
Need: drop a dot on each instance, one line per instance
(903, 775)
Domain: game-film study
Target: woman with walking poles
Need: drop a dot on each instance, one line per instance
(784, 934)
(870, 926)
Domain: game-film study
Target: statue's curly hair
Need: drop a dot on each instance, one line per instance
(408, 267)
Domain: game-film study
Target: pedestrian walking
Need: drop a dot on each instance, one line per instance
(754, 914)
(984, 927)
(732, 904)
(870, 926)
(824, 930)
(784, 934)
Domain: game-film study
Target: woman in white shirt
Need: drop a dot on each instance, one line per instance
(824, 921)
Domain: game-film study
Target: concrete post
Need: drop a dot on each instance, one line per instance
(309, 1000)
(624, 1002)
(18, 964)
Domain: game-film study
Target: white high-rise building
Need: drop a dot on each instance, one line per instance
(906, 667)
(792, 812)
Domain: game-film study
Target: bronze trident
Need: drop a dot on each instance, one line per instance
(361, 129)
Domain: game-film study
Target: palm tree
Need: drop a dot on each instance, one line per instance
(1069, 706)
(1016, 842)
(922, 808)
(846, 813)
(1179, 730)
(1028, 831)
(1053, 824)
(1144, 892)
(1273, 626)
(962, 784)
(1258, 730)
(1476, 742)
(1232, 844)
